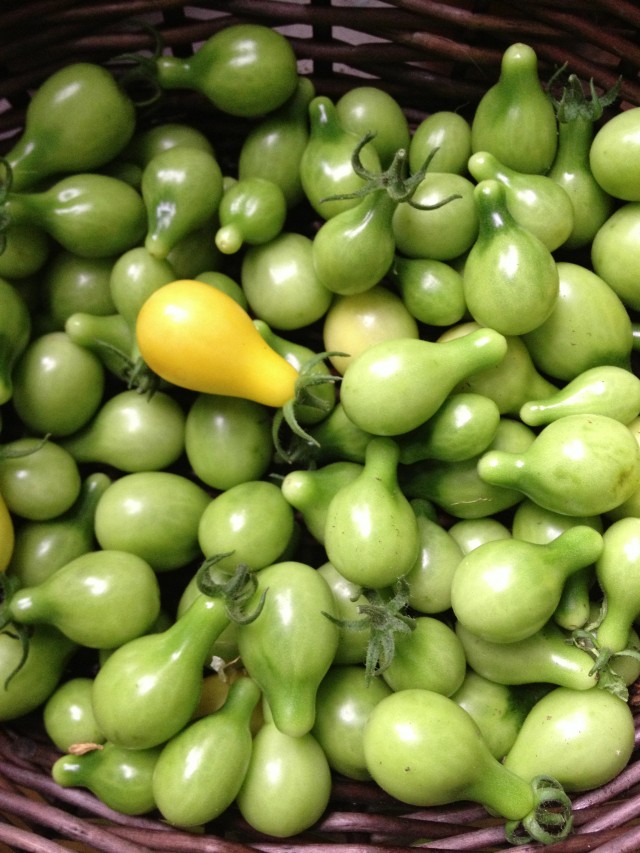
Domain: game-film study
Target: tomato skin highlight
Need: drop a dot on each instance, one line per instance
(195, 336)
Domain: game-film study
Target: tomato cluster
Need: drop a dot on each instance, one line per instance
(327, 457)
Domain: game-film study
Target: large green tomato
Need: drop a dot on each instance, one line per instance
(280, 282)
(431, 657)
(447, 231)
(288, 783)
(250, 523)
(227, 440)
(101, 599)
(245, 70)
(355, 322)
(581, 738)
(40, 480)
(369, 109)
(615, 253)
(344, 701)
(154, 514)
(615, 155)
(49, 652)
(68, 714)
(132, 432)
(75, 284)
(57, 385)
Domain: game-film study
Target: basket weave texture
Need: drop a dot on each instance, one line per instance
(431, 55)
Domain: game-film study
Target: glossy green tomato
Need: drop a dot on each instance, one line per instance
(571, 170)
(181, 188)
(273, 148)
(101, 599)
(280, 283)
(120, 778)
(383, 392)
(251, 522)
(430, 577)
(43, 547)
(195, 253)
(89, 214)
(145, 144)
(412, 732)
(515, 119)
(77, 120)
(345, 700)
(134, 276)
(447, 231)
(58, 385)
(369, 109)
(371, 532)
(463, 426)
(352, 642)
(154, 514)
(508, 589)
(245, 70)
(288, 783)
(148, 689)
(355, 322)
(457, 488)
(510, 277)
(26, 251)
(581, 738)
(544, 657)
(132, 432)
(40, 480)
(289, 648)
(614, 252)
(311, 490)
(430, 657)
(227, 440)
(75, 284)
(431, 290)
(510, 383)
(225, 283)
(326, 168)
(449, 135)
(252, 212)
(49, 653)
(469, 533)
(68, 714)
(578, 465)
(536, 202)
(498, 710)
(354, 250)
(614, 156)
(588, 326)
(201, 769)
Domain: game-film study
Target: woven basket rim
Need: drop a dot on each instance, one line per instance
(431, 55)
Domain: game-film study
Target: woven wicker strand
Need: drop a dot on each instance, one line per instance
(431, 55)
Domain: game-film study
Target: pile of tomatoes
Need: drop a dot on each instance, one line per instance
(321, 458)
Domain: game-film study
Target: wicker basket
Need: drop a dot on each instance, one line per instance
(431, 55)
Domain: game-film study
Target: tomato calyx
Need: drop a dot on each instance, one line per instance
(234, 590)
(303, 396)
(608, 679)
(573, 104)
(551, 818)
(395, 180)
(384, 617)
(141, 79)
